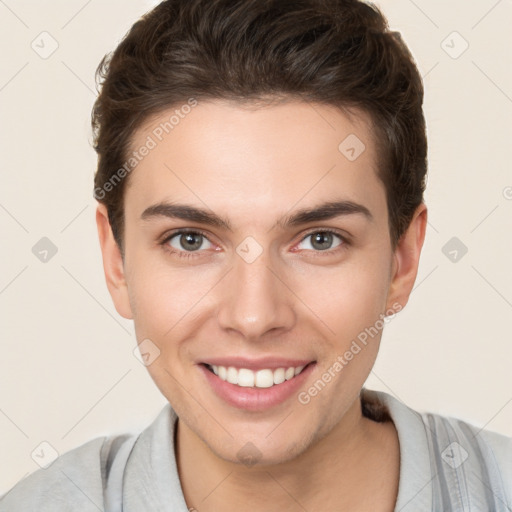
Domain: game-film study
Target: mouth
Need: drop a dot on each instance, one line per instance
(260, 388)
(263, 378)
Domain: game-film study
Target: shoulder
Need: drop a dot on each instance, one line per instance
(446, 463)
(464, 447)
(75, 481)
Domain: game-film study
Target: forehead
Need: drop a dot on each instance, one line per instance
(243, 159)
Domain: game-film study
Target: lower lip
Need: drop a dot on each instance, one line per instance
(255, 399)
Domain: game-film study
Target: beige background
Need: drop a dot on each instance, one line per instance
(68, 373)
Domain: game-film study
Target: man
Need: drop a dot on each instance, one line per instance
(260, 178)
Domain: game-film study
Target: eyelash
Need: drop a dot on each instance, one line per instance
(182, 254)
(192, 254)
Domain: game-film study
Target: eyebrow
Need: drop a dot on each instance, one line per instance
(321, 212)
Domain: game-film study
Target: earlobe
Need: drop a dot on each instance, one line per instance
(113, 265)
(406, 259)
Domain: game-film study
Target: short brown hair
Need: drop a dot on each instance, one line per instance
(335, 52)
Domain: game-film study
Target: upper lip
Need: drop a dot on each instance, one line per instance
(271, 363)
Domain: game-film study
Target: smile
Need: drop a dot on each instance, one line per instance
(256, 385)
(264, 378)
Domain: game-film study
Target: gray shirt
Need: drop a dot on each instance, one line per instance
(445, 465)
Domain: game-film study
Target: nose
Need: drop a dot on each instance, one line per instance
(255, 299)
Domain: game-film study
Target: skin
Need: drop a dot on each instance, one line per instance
(253, 167)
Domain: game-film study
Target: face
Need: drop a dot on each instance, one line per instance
(257, 251)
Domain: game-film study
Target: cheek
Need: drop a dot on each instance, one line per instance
(165, 300)
(161, 301)
(348, 298)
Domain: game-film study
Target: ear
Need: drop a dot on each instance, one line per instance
(113, 264)
(406, 259)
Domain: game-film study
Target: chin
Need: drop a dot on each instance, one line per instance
(252, 449)
(254, 455)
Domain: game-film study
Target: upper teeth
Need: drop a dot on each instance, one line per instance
(260, 379)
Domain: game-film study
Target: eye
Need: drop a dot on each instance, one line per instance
(321, 241)
(189, 241)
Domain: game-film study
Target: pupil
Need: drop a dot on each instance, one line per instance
(322, 241)
(191, 241)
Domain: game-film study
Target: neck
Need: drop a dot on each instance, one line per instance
(354, 467)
